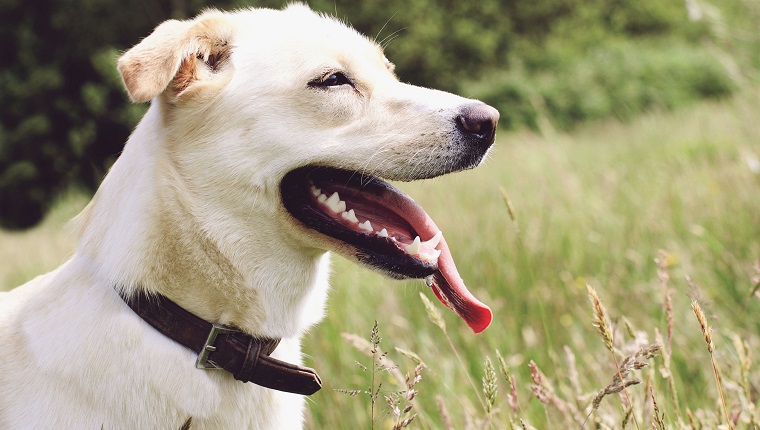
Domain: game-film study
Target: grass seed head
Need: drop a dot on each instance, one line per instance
(490, 388)
(600, 319)
(658, 424)
(512, 395)
(706, 329)
(433, 313)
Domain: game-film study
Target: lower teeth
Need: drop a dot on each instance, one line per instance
(429, 281)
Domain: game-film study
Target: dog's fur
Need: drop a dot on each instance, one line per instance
(192, 210)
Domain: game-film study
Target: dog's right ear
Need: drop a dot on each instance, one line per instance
(178, 56)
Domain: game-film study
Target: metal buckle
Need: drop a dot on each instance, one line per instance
(203, 361)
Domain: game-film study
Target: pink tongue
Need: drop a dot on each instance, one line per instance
(449, 287)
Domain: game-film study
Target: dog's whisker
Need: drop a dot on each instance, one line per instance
(388, 39)
(384, 25)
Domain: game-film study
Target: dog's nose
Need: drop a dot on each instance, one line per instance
(479, 121)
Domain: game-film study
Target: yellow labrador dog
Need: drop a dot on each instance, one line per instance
(202, 257)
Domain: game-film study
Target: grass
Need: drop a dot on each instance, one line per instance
(593, 208)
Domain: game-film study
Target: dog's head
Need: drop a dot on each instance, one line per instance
(296, 117)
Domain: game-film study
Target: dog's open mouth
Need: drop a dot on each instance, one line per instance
(386, 229)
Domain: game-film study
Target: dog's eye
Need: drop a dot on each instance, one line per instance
(333, 80)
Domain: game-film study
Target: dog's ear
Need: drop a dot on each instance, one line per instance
(179, 56)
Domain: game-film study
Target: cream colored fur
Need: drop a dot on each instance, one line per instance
(192, 210)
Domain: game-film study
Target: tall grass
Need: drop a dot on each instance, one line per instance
(593, 208)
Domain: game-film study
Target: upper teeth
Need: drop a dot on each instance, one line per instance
(350, 216)
(433, 242)
(425, 251)
(335, 203)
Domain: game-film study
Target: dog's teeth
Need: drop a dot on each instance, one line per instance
(429, 281)
(414, 247)
(430, 256)
(366, 226)
(350, 216)
(322, 198)
(432, 243)
(316, 191)
(335, 203)
(383, 233)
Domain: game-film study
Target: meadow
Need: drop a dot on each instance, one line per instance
(651, 214)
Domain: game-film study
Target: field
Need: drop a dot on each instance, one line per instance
(596, 207)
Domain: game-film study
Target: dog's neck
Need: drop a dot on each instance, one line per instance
(144, 229)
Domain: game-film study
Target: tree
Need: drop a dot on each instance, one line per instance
(64, 116)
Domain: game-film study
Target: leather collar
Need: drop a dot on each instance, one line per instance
(222, 347)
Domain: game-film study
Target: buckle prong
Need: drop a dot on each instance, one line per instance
(203, 362)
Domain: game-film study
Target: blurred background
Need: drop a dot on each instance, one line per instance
(627, 159)
(545, 63)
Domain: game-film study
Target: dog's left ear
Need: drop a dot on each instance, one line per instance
(182, 58)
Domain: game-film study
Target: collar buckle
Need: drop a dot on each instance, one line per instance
(203, 361)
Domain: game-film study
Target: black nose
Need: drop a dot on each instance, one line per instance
(478, 121)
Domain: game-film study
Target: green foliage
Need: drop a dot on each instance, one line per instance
(619, 80)
(65, 116)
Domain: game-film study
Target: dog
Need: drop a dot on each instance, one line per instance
(268, 142)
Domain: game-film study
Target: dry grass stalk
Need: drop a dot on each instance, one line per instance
(433, 313)
(445, 416)
(626, 417)
(544, 392)
(435, 316)
(707, 333)
(381, 358)
(510, 209)
(380, 363)
(706, 329)
(572, 372)
(755, 291)
(540, 387)
(663, 274)
(620, 380)
(694, 424)
(603, 327)
(512, 395)
(745, 363)
(352, 393)
(600, 319)
(647, 410)
(405, 398)
(410, 355)
(628, 326)
(659, 424)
